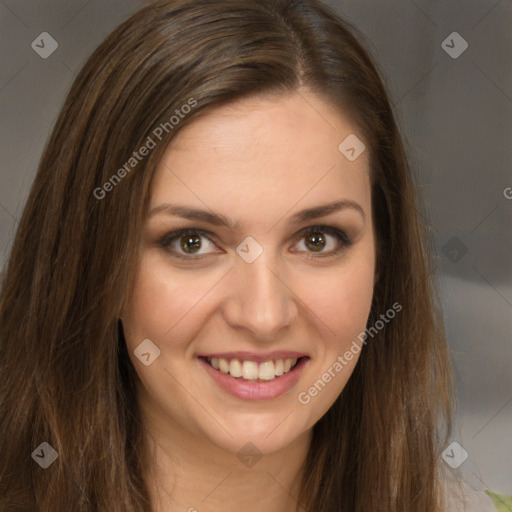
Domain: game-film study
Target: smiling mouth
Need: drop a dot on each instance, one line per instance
(252, 371)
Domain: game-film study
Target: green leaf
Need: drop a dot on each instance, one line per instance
(503, 503)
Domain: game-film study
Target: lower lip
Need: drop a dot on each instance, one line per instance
(248, 390)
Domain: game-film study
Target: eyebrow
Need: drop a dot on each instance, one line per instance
(217, 219)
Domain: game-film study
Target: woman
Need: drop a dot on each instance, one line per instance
(219, 294)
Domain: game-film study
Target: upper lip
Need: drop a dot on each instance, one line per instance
(258, 357)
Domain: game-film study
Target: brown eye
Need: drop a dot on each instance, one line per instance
(315, 241)
(323, 240)
(190, 243)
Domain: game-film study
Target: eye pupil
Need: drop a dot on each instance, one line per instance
(189, 243)
(315, 241)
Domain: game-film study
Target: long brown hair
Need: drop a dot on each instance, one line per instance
(66, 378)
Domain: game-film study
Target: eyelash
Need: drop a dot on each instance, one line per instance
(344, 241)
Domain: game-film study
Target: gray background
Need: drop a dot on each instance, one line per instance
(456, 115)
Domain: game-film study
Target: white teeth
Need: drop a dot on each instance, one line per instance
(224, 366)
(251, 370)
(235, 368)
(267, 370)
(279, 367)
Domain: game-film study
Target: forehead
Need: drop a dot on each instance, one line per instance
(261, 151)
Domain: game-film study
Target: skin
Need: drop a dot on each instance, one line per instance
(258, 162)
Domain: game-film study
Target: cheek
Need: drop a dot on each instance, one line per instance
(341, 299)
(161, 299)
(350, 306)
(341, 302)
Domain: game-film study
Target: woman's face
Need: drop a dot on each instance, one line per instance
(265, 274)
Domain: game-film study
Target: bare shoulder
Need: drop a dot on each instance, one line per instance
(460, 497)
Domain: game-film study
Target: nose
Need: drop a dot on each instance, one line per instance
(260, 300)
